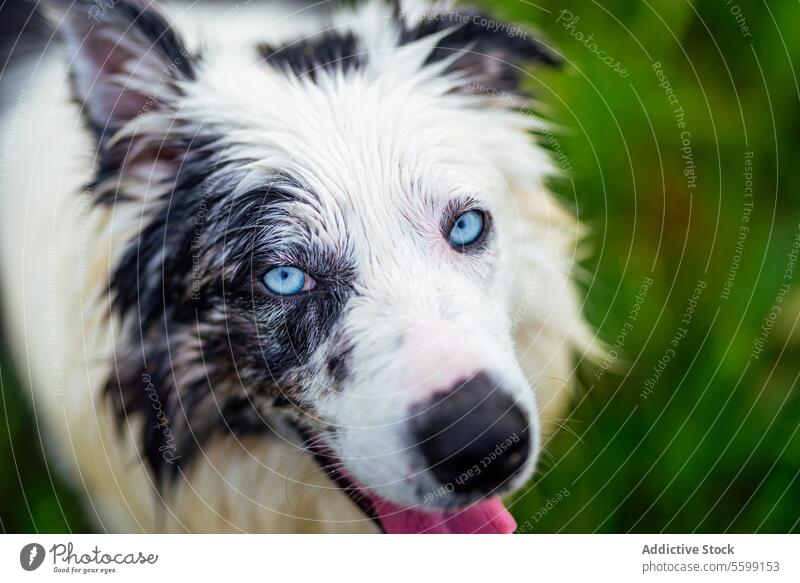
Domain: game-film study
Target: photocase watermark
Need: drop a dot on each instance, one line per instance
(531, 290)
(82, 239)
(744, 227)
(513, 101)
(477, 19)
(671, 352)
(663, 82)
(474, 471)
(100, 8)
(784, 288)
(65, 559)
(12, 131)
(621, 339)
(199, 220)
(557, 150)
(31, 556)
(169, 447)
(739, 17)
(551, 503)
(679, 113)
(166, 78)
(53, 341)
(569, 21)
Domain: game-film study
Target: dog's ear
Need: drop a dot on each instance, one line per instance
(125, 59)
(488, 53)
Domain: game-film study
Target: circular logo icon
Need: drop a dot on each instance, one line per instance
(31, 556)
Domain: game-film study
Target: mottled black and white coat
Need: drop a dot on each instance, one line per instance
(159, 161)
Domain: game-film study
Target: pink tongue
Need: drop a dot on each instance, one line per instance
(485, 517)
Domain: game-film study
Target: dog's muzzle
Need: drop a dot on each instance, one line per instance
(473, 437)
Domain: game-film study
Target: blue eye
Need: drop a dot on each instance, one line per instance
(287, 281)
(467, 229)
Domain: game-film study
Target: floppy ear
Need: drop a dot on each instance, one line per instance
(483, 50)
(125, 59)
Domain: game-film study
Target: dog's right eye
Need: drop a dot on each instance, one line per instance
(287, 280)
(467, 229)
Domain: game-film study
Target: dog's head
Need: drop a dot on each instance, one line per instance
(331, 228)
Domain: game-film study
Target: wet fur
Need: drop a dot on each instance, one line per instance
(165, 385)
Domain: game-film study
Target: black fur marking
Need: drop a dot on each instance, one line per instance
(164, 40)
(23, 36)
(339, 366)
(211, 350)
(492, 54)
(330, 50)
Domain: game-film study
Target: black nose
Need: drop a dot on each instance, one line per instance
(474, 437)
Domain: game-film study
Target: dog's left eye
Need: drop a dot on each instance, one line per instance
(467, 229)
(287, 281)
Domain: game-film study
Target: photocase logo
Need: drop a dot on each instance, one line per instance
(31, 556)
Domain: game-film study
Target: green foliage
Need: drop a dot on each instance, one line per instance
(715, 445)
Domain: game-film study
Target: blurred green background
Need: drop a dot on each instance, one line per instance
(690, 281)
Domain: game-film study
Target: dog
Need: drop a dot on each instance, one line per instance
(288, 269)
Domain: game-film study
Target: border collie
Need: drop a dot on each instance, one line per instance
(281, 269)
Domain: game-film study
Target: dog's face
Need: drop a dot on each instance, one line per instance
(383, 277)
(334, 240)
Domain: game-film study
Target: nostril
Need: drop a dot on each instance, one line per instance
(473, 438)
